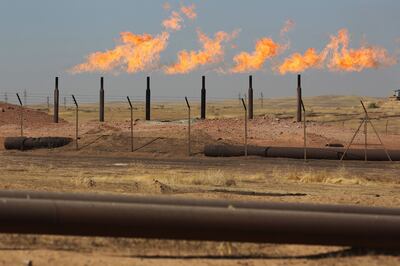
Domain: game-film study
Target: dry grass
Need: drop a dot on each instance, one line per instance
(340, 176)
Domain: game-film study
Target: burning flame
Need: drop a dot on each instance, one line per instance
(265, 48)
(339, 57)
(189, 11)
(212, 52)
(134, 53)
(298, 62)
(346, 59)
(173, 22)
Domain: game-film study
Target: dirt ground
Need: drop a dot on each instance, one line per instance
(160, 165)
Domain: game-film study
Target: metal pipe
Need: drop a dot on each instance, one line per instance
(148, 99)
(56, 101)
(203, 98)
(298, 153)
(299, 98)
(101, 107)
(198, 223)
(173, 200)
(250, 103)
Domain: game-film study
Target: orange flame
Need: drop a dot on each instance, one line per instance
(298, 62)
(173, 22)
(189, 11)
(212, 52)
(346, 59)
(135, 53)
(265, 48)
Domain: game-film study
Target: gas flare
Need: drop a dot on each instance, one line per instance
(265, 48)
(347, 59)
(298, 62)
(189, 11)
(134, 53)
(173, 22)
(212, 52)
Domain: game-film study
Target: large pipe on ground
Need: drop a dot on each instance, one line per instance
(250, 100)
(56, 101)
(198, 223)
(203, 98)
(24, 143)
(298, 152)
(171, 200)
(299, 98)
(148, 99)
(101, 107)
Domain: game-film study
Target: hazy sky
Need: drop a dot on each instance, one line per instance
(44, 38)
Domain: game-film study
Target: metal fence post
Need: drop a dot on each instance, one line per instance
(76, 122)
(203, 98)
(305, 130)
(250, 104)
(21, 114)
(245, 127)
(189, 147)
(131, 108)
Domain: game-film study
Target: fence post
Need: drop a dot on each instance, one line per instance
(76, 122)
(189, 140)
(56, 101)
(131, 108)
(101, 109)
(262, 100)
(21, 115)
(305, 130)
(148, 99)
(5, 97)
(65, 103)
(245, 127)
(25, 97)
(48, 104)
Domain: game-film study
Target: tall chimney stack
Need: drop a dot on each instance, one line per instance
(299, 98)
(148, 106)
(203, 98)
(101, 108)
(56, 101)
(250, 102)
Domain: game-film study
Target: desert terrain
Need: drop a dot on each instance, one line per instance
(160, 164)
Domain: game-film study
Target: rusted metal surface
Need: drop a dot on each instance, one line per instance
(83, 218)
(171, 200)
